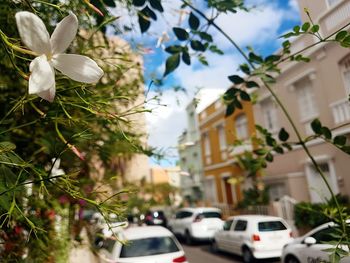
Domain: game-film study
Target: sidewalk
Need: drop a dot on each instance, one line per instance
(81, 252)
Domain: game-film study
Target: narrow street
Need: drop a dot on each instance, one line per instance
(201, 253)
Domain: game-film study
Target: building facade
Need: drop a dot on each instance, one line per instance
(218, 134)
(190, 160)
(318, 89)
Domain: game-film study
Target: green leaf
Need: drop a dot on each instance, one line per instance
(315, 28)
(287, 146)
(346, 42)
(252, 84)
(143, 22)
(278, 149)
(296, 29)
(269, 157)
(255, 58)
(7, 147)
(339, 140)
(172, 63)
(174, 49)
(244, 96)
(230, 109)
(270, 141)
(288, 35)
(193, 21)
(326, 132)
(148, 12)
(245, 68)
(346, 149)
(238, 104)
(305, 27)
(180, 33)
(215, 49)
(138, 2)
(197, 45)
(316, 126)
(341, 35)
(230, 94)
(186, 58)
(260, 152)
(156, 4)
(283, 135)
(202, 59)
(236, 79)
(206, 36)
(272, 58)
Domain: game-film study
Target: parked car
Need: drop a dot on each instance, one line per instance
(311, 247)
(155, 217)
(142, 244)
(253, 237)
(196, 223)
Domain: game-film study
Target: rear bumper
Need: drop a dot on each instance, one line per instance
(268, 254)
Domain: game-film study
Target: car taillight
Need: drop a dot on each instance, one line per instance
(180, 259)
(255, 237)
(290, 234)
(197, 218)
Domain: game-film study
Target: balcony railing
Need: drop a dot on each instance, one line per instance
(336, 17)
(341, 111)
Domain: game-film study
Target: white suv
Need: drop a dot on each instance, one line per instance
(253, 237)
(199, 223)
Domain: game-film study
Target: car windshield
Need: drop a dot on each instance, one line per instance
(210, 215)
(148, 247)
(271, 226)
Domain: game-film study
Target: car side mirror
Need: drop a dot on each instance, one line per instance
(309, 241)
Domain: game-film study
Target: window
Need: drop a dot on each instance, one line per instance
(241, 124)
(306, 100)
(269, 112)
(241, 225)
(271, 226)
(345, 68)
(227, 225)
(210, 190)
(207, 151)
(148, 247)
(277, 191)
(326, 235)
(222, 137)
(210, 215)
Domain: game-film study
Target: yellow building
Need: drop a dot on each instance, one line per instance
(218, 135)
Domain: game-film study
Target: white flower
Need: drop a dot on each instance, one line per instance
(51, 54)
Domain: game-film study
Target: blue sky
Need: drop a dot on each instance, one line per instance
(259, 28)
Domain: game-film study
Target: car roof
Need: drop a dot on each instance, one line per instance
(201, 209)
(140, 232)
(255, 217)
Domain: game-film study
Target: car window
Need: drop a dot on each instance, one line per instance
(148, 247)
(178, 215)
(187, 214)
(108, 244)
(271, 226)
(227, 225)
(210, 215)
(241, 225)
(325, 235)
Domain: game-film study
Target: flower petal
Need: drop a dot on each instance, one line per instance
(42, 78)
(77, 67)
(64, 33)
(33, 32)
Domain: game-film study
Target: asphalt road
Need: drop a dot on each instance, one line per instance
(200, 253)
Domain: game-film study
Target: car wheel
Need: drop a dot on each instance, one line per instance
(214, 247)
(291, 259)
(247, 256)
(188, 238)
